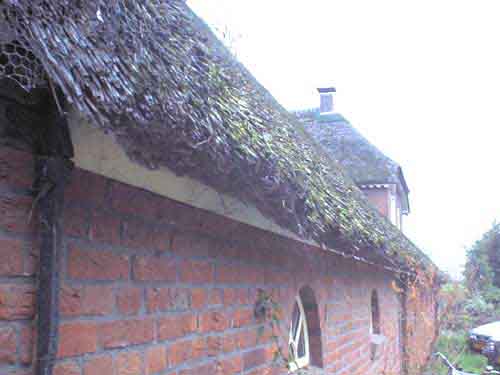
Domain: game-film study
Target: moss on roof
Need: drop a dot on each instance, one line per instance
(363, 161)
(153, 74)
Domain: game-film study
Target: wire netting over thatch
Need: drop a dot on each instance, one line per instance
(154, 74)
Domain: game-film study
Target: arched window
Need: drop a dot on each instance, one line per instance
(305, 341)
(299, 339)
(376, 337)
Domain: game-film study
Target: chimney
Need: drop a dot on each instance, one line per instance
(326, 100)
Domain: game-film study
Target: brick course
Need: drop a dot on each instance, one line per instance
(156, 287)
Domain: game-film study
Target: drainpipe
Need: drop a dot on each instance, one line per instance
(404, 325)
(53, 167)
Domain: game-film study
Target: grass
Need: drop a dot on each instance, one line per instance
(454, 346)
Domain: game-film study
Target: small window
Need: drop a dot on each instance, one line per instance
(376, 337)
(299, 339)
(375, 318)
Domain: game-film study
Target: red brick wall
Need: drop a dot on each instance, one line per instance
(379, 198)
(152, 286)
(421, 314)
(17, 262)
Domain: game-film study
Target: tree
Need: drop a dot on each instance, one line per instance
(482, 270)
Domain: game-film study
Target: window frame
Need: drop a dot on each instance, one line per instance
(393, 208)
(374, 313)
(376, 336)
(304, 361)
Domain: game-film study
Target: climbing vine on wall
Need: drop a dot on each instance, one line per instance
(270, 312)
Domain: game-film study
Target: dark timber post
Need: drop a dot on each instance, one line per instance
(404, 326)
(53, 167)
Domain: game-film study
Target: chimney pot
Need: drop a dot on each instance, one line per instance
(326, 99)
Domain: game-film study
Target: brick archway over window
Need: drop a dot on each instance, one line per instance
(313, 325)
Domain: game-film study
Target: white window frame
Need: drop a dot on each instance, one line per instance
(393, 208)
(293, 342)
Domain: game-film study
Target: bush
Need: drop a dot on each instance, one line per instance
(482, 269)
(455, 347)
(478, 306)
(492, 295)
(462, 310)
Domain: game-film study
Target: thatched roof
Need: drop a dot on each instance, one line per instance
(362, 160)
(155, 76)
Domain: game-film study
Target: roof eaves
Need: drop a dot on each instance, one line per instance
(187, 94)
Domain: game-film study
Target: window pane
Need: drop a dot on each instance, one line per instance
(301, 350)
(293, 355)
(295, 320)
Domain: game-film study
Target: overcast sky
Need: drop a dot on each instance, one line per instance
(420, 79)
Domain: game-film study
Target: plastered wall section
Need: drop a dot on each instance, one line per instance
(99, 153)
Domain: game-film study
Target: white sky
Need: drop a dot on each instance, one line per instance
(420, 79)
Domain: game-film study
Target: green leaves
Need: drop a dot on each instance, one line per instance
(482, 269)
